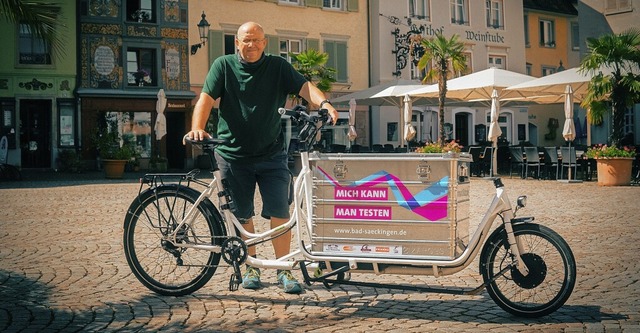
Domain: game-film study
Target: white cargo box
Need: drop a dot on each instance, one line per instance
(393, 205)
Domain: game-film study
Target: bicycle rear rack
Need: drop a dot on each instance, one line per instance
(158, 179)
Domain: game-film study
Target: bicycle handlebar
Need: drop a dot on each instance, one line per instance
(207, 141)
(309, 124)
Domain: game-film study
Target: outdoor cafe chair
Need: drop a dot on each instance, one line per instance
(486, 161)
(475, 152)
(533, 160)
(551, 160)
(517, 159)
(568, 155)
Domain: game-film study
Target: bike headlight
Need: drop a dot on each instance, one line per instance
(522, 201)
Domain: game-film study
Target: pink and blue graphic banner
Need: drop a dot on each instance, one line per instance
(430, 203)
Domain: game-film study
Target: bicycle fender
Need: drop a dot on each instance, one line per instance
(209, 208)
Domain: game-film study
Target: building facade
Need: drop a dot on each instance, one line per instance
(127, 51)
(37, 83)
(492, 32)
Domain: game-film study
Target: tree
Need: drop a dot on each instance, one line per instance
(311, 64)
(40, 16)
(446, 57)
(614, 59)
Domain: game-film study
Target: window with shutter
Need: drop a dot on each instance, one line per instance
(337, 51)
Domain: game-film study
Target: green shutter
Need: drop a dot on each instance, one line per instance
(216, 45)
(275, 1)
(314, 3)
(329, 48)
(352, 5)
(313, 44)
(341, 61)
(273, 45)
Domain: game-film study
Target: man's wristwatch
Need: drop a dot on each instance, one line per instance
(326, 101)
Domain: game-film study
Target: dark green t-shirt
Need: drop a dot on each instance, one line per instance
(250, 95)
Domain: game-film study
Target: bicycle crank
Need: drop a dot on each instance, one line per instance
(234, 253)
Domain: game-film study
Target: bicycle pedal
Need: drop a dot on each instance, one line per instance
(234, 282)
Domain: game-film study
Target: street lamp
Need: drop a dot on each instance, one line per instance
(203, 30)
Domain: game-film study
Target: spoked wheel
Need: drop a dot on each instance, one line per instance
(552, 271)
(159, 263)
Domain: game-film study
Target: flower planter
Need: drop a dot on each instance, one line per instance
(114, 169)
(614, 171)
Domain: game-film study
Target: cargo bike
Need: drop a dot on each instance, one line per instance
(353, 214)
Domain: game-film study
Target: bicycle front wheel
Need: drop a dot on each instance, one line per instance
(160, 264)
(552, 271)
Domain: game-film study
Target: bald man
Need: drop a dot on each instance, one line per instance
(251, 86)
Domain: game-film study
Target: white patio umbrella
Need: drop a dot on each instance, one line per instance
(494, 130)
(409, 131)
(475, 87)
(161, 121)
(386, 94)
(352, 120)
(551, 89)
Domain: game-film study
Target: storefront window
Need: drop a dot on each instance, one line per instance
(135, 128)
(67, 124)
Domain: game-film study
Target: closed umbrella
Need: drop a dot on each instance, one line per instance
(352, 120)
(494, 129)
(161, 121)
(409, 131)
(569, 129)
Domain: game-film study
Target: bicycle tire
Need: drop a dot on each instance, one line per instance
(552, 271)
(156, 263)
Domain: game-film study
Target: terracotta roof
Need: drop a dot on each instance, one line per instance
(555, 6)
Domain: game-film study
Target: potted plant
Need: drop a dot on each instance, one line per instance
(69, 161)
(438, 148)
(614, 87)
(613, 164)
(114, 152)
(142, 77)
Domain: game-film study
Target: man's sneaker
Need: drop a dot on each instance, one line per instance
(251, 278)
(288, 282)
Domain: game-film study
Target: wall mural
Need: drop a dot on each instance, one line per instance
(171, 11)
(104, 8)
(104, 57)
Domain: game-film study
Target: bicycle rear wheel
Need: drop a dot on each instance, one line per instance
(552, 271)
(159, 264)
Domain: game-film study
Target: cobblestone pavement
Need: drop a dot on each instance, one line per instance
(62, 269)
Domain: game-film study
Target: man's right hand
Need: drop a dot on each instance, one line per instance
(196, 135)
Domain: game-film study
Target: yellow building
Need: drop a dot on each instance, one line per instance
(552, 44)
(551, 36)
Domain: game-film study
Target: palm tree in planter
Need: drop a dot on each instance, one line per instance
(446, 56)
(311, 64)
(614, 62)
